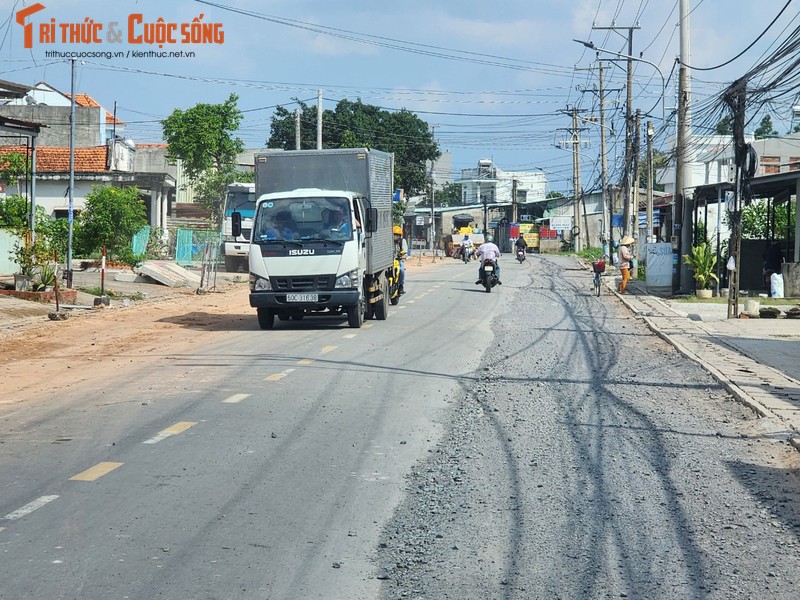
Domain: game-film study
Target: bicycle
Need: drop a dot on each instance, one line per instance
(598, 268)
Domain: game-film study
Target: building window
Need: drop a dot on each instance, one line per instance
(794, 163)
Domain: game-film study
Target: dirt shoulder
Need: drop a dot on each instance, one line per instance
(39, 354)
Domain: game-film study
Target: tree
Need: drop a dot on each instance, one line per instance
(660, 161)
(14, 213)
(765, 128)
(449, 195)
(110, 218)
(202, 138)
(14, 167)
(354, 125)
(724, 126)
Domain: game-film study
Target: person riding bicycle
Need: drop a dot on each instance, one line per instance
(401, 251)
(467, 247)
(488, 249)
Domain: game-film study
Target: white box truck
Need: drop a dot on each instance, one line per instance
(241, 198)
(321, 241)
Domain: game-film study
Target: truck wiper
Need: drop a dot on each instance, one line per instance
(291, 242)
(323, 240)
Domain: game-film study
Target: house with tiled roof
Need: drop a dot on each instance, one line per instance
(44, 104)
(110, 164)
(102, 155)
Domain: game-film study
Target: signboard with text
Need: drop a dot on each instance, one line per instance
(561, 223)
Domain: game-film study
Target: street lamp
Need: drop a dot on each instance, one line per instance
(591, 46)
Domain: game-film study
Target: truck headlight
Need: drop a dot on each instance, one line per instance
(348, 280)
(259, 284)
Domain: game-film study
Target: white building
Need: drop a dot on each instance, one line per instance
(488, 184)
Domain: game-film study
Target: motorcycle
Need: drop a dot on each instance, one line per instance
(520, 255)
(489, 279)
(466, 253)
(394, 282)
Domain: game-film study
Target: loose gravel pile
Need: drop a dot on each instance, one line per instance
(588, 459)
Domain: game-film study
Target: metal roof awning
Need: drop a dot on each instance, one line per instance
(779, 186)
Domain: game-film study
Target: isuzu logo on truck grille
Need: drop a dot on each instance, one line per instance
(301, 251)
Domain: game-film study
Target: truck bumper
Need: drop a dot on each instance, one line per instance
(236, 249)
(326, 299)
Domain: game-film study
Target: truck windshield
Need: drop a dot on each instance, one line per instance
(242, 201)
(312, 218)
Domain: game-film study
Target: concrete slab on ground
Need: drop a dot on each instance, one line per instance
(169, 273)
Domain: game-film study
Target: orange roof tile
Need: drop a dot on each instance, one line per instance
(55, 159)
(87, 101)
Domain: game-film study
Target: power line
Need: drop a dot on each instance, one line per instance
(753, 43)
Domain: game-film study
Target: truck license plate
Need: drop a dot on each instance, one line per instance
(302, 297)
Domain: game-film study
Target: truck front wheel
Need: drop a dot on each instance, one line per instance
(355, 316)
(266, 318)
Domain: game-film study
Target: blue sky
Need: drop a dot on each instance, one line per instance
(492, 78)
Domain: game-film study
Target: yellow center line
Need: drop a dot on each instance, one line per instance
(327, 349)
(235, 399)
(278, 376)
(172, 430)
(305, 361)
(96, 472)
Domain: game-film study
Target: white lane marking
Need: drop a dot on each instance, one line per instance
(327, 349)
(350, 336)
(29, 508)
(235, 399)
(305, 361)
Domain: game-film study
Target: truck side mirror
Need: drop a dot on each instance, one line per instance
(236, 224)
(372, 222)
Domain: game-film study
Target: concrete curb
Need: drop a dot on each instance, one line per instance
(736, 392)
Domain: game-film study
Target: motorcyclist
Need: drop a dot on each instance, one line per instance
(488, 249)
(467, 247)
(521, 244)
(401, 251)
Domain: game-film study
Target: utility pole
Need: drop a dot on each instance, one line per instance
(682, 217)
(71, 211)
(297, 129)
(607, 205)
(514, 209)
(626, 178)
(649, 233)
(319, 119)
(433, 195)
(635, 149)
(576, 176)
(607, 202)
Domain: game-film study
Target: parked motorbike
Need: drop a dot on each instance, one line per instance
(520, 255)
(490, 278)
